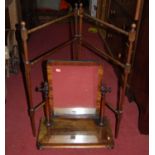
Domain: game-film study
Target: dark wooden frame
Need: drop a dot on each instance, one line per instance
(93, 126)
(51, 63)
(78, 15)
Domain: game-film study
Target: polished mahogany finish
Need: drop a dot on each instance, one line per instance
(78, 15)
(75, 113)
(75, 133)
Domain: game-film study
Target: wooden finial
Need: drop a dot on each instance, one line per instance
(76, 9)
(76, 6)
(24, 31)
(23, 25)
(132, 33)
(133, 26)
(81, 9)
(81, 5)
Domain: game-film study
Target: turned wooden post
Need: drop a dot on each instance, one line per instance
(137, 19)
(75, 54)
(81, 20)
(81, 11)
(47, 105)
(127, 69)
(102, 108)
(27, 67)
(76, 19)
(138, 9)
(104, 91)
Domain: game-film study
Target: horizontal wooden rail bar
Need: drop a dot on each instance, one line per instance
(39, 106)
(107, 24)
(49, 23)
(52, 51)
(111, 107)
(101, 53)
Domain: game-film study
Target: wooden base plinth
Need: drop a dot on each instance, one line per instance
(75, 133)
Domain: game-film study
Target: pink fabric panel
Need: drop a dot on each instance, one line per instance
(75, 86)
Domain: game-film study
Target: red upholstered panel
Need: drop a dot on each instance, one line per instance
(74, 86)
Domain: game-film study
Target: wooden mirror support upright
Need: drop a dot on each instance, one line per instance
(78, 15)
